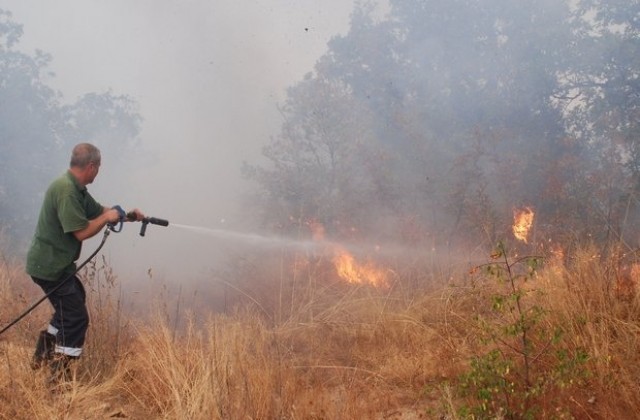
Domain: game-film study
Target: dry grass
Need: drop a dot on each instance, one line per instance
(298, 344)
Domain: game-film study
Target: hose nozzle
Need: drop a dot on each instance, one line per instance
(153, 221)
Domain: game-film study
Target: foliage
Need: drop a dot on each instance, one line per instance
(527, 360)
(600, 92)
(319, 157)
(458, 111)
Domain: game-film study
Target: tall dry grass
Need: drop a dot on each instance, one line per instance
(301, 344)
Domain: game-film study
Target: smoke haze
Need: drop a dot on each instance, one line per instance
(207, 76)
(418, 124)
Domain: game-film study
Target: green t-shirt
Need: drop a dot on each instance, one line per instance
(67, 207)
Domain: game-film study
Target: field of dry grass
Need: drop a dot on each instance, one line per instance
(558, 340)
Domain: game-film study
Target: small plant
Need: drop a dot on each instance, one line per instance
(524, 362)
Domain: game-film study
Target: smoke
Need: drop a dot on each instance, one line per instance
(426, 127)
(207, 77)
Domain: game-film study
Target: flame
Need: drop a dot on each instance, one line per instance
(522, 221)
(353, 272)
(345, 263)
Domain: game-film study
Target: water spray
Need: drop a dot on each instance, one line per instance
(251, 238)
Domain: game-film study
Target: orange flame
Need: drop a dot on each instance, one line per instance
(346, 265)
(522, 221)
(353, 272)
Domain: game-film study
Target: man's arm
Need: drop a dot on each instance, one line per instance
(95, 225)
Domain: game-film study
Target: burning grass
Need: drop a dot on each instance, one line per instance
(305, 344)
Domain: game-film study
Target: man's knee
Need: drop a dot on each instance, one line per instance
(77, 315)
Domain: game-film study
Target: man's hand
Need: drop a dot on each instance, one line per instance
(112, 215)
(135, 215)
(94, 226)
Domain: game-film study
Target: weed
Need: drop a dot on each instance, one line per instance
(524, 360)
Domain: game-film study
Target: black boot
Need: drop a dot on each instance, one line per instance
(44, 350)
(61, 371)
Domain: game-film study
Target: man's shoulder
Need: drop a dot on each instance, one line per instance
(62, 183)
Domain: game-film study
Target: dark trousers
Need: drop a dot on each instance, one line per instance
(70, 319)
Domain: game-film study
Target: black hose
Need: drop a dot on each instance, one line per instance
(42, 299)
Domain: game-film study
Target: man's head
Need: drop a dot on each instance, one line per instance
(85, 162)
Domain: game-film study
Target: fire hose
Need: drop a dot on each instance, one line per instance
(111, 227)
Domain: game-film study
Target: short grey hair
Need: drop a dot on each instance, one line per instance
(83, 154)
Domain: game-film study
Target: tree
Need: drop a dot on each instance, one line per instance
(439, 77)
(317, 160)
(601, 92)
(37, 131)
(478, 107)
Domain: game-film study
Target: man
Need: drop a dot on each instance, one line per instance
(68, 216)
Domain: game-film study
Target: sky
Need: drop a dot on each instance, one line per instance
(207, 76)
